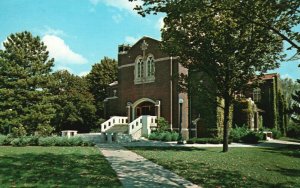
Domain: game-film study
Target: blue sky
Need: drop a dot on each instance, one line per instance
(79, 33)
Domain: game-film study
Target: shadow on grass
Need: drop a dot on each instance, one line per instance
(56, 170)
(288, 150)
(208, 176)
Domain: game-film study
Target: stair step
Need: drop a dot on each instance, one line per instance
(118, 128)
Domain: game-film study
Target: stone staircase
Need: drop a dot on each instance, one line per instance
(119, 128)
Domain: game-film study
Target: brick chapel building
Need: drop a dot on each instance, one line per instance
(147, 85)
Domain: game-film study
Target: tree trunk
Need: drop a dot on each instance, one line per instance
(227, 102)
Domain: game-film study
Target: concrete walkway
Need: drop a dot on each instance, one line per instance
(136, 171)
(146, 143)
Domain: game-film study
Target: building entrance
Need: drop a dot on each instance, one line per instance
(145, 108)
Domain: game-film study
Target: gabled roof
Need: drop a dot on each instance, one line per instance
(269, 76)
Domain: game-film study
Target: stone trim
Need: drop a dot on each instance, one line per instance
(155, 60)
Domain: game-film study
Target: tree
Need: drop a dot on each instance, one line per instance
(228, 40)
(295, 109)
(73, 102)
(101, 75)
(25, 73)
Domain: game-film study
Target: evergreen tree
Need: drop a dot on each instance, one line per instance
(73, 102)
(101, 75)
(25, 71)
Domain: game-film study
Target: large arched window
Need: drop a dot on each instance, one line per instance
(144, 69)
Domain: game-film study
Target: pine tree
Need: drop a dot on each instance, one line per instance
(25, 72)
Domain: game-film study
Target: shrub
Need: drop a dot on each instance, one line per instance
(7, 140)
(32, 140)
(276, 134)
(201, 140)
(18, 142)
(44, 130)
(2, 139)
(191, 141)
(237, 133)
(162, 125)
(18, 131)
(293, 131)
(166, 137)
(47, 141)
(252, 137)
(153, 136)
(175, 136)
(215, 141)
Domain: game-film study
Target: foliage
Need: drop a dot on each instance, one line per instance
(18, 131)
(55, 167)
(74, 103)
(243, 134)
(252, 137)
(295, 109)
(229, 41)
(276, 133)
(293, 131)
(101, 75)
(63, 141)
(44, 141)
(240, 167)
(164, 136)
(205, 140)
(44, 130)
(162, 125)
(25, 72)
(237, 133)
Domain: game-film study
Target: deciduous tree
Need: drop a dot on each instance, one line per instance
(231, 41)
(101, 75)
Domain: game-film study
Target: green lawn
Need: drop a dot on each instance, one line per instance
(55, 167)
(240, 167)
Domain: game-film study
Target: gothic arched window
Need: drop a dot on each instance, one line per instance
(150, 66)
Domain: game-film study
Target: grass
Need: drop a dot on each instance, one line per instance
(240, 167)
(55, 167)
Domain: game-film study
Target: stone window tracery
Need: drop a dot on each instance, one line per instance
(144, 69)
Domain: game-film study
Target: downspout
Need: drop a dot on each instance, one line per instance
(171, 93)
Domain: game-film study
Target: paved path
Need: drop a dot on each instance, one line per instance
(270, 143)
(135, 171)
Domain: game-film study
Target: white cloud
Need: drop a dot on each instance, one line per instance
(2, 45)
(62, 53)
(117, 18)
(59, 68)
(50, 31)
(160, 23)
(285, 76)
(131, 40)
(119, 4)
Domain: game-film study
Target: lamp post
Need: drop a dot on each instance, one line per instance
(180, 141)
